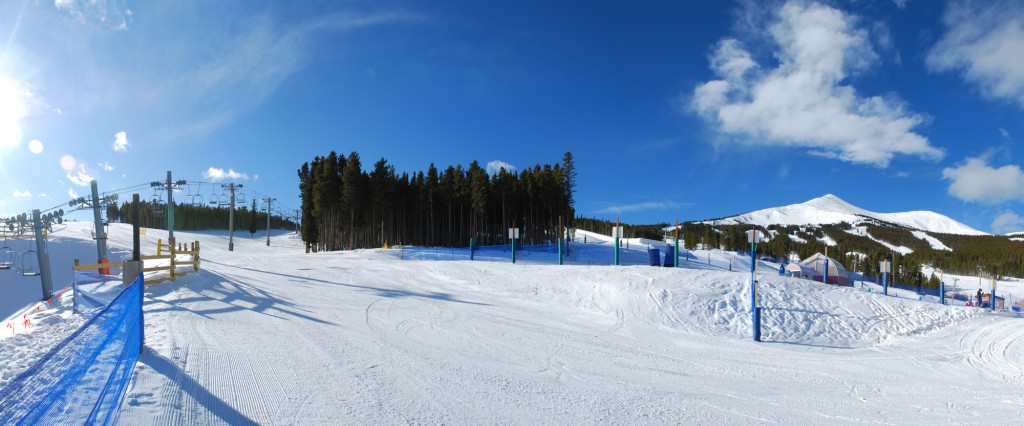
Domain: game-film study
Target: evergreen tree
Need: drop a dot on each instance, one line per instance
(252, 220)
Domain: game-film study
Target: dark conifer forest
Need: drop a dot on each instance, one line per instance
(346, 207)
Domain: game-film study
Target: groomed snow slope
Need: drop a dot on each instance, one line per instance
(831, 209)
(274, 336)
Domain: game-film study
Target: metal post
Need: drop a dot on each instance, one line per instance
(231, 217)
(101, 238)
(675, 262)
(560, 232)
(472, 232)
(755, 311)
(885, 278)
(992, 295)
(269, 200)
(824, 276)
(136, 246)
(170, 207)
(42, 256)
(616, 231)
(942, 292)
(513, 232)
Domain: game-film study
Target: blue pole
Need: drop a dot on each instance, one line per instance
(992, 296)
(470, 248)
(513, 249)
(885, 283)
(754, 310)
(824, 276)
(942, 292)
(753, 285)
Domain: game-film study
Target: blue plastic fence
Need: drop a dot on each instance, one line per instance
(575, 254)
(83, 379)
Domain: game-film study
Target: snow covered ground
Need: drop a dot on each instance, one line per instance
(272, 335)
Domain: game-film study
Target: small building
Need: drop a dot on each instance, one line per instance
(985, 301)
(812, 268)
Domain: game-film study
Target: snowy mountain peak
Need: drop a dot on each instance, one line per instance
(830, 209)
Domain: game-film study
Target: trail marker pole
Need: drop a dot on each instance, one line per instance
(824, 276)
(617, 233)
(560, 231)
(753, 237)
(675, 262)
(884, 266)
(472, 232)
(992, 296)
(513, 233)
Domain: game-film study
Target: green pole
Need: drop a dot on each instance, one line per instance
(617, 241)
(676, 264)
(616, 251)
(470, 248)
(560, 251)
(560, 231)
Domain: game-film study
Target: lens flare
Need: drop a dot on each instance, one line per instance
(12, 110)
(35, 146)
(68, 163)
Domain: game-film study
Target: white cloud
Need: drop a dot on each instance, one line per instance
(984, 41)
(493, 167)
(805, 101)
(653, 205)
(121, 142)
(22, 194)
(975, 180)
(106, 166)
(106, 12)
(79, 176)
(1006, 223)
(1006, 135)
(72, 193)
(216, 174)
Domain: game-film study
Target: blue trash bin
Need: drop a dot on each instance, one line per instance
(655, 256)
(670, 254)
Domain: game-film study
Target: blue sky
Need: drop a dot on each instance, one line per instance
(689, 110)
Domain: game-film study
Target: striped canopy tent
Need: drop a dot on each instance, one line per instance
(837, 273)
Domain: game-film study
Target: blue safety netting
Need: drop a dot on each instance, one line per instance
(573, 254)
(83, 378)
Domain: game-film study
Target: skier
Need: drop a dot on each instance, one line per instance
(979, 297)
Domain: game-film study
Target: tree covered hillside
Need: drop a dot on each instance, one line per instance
(345, 207)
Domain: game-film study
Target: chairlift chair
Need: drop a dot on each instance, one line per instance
(29, 263)
(240, 198)
(195, 198)
(6, 256)
(223, 200)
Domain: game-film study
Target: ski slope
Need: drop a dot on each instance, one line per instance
(271, 335)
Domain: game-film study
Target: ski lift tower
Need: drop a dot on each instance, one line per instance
(169, 185)
(231, 214)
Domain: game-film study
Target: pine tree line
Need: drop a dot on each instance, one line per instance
(344, 207)
(189, 217)
(995, 255)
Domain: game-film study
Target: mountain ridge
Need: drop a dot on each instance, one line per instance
(830, 209)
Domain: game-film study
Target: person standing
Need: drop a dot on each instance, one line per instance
(979, 298)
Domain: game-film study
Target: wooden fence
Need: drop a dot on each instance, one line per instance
(172, 251)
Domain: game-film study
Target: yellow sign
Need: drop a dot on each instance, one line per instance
(142, 232)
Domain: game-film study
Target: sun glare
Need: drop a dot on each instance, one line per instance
(12, 110)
